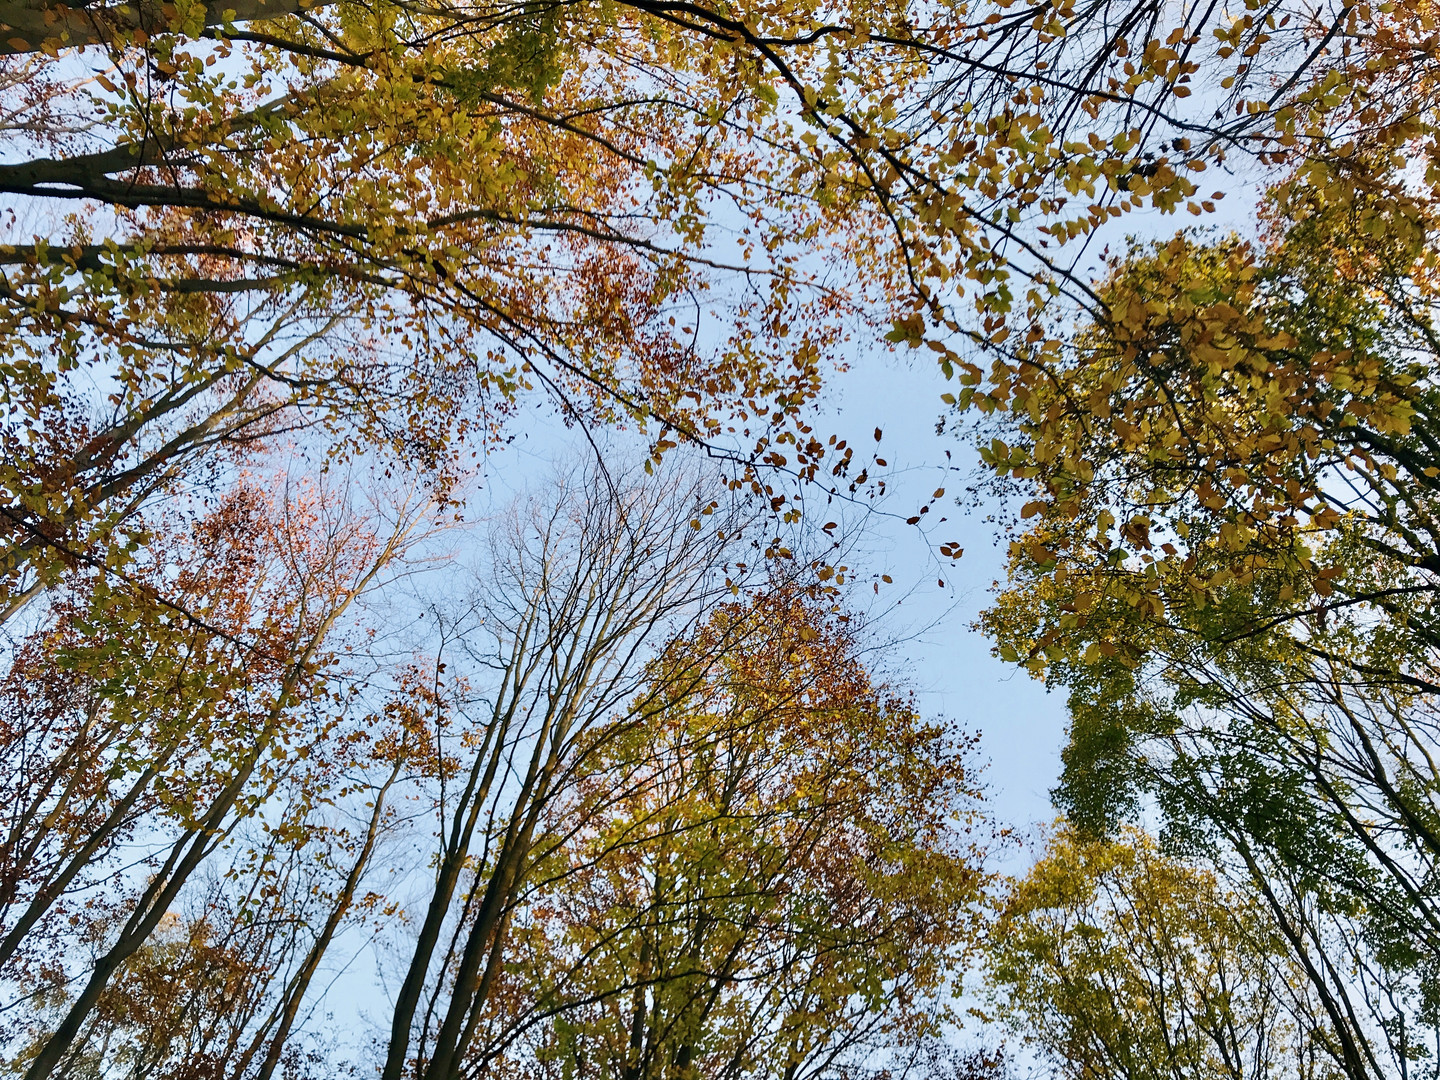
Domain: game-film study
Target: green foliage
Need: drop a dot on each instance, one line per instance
(529, 56)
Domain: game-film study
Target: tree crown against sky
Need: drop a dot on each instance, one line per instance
(1226, 553)
(361, 236)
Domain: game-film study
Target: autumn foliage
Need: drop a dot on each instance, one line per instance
(309, 769)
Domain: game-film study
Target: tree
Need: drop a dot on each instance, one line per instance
(381, 223)
(133, 759)
(578, 589)
(1231, 562)
(772, 877)
(1113, 960)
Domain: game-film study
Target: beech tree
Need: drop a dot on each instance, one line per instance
(1227, 552)
(382, 222)
(1111, 959)
(578, 590)
(133, 758)
(775, 876)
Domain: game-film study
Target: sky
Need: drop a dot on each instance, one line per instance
(928, 644)
(948, 663)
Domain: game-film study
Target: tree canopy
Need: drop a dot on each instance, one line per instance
(631, 793)
(1227, 552)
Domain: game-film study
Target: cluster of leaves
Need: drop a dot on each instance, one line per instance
(380, 226)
